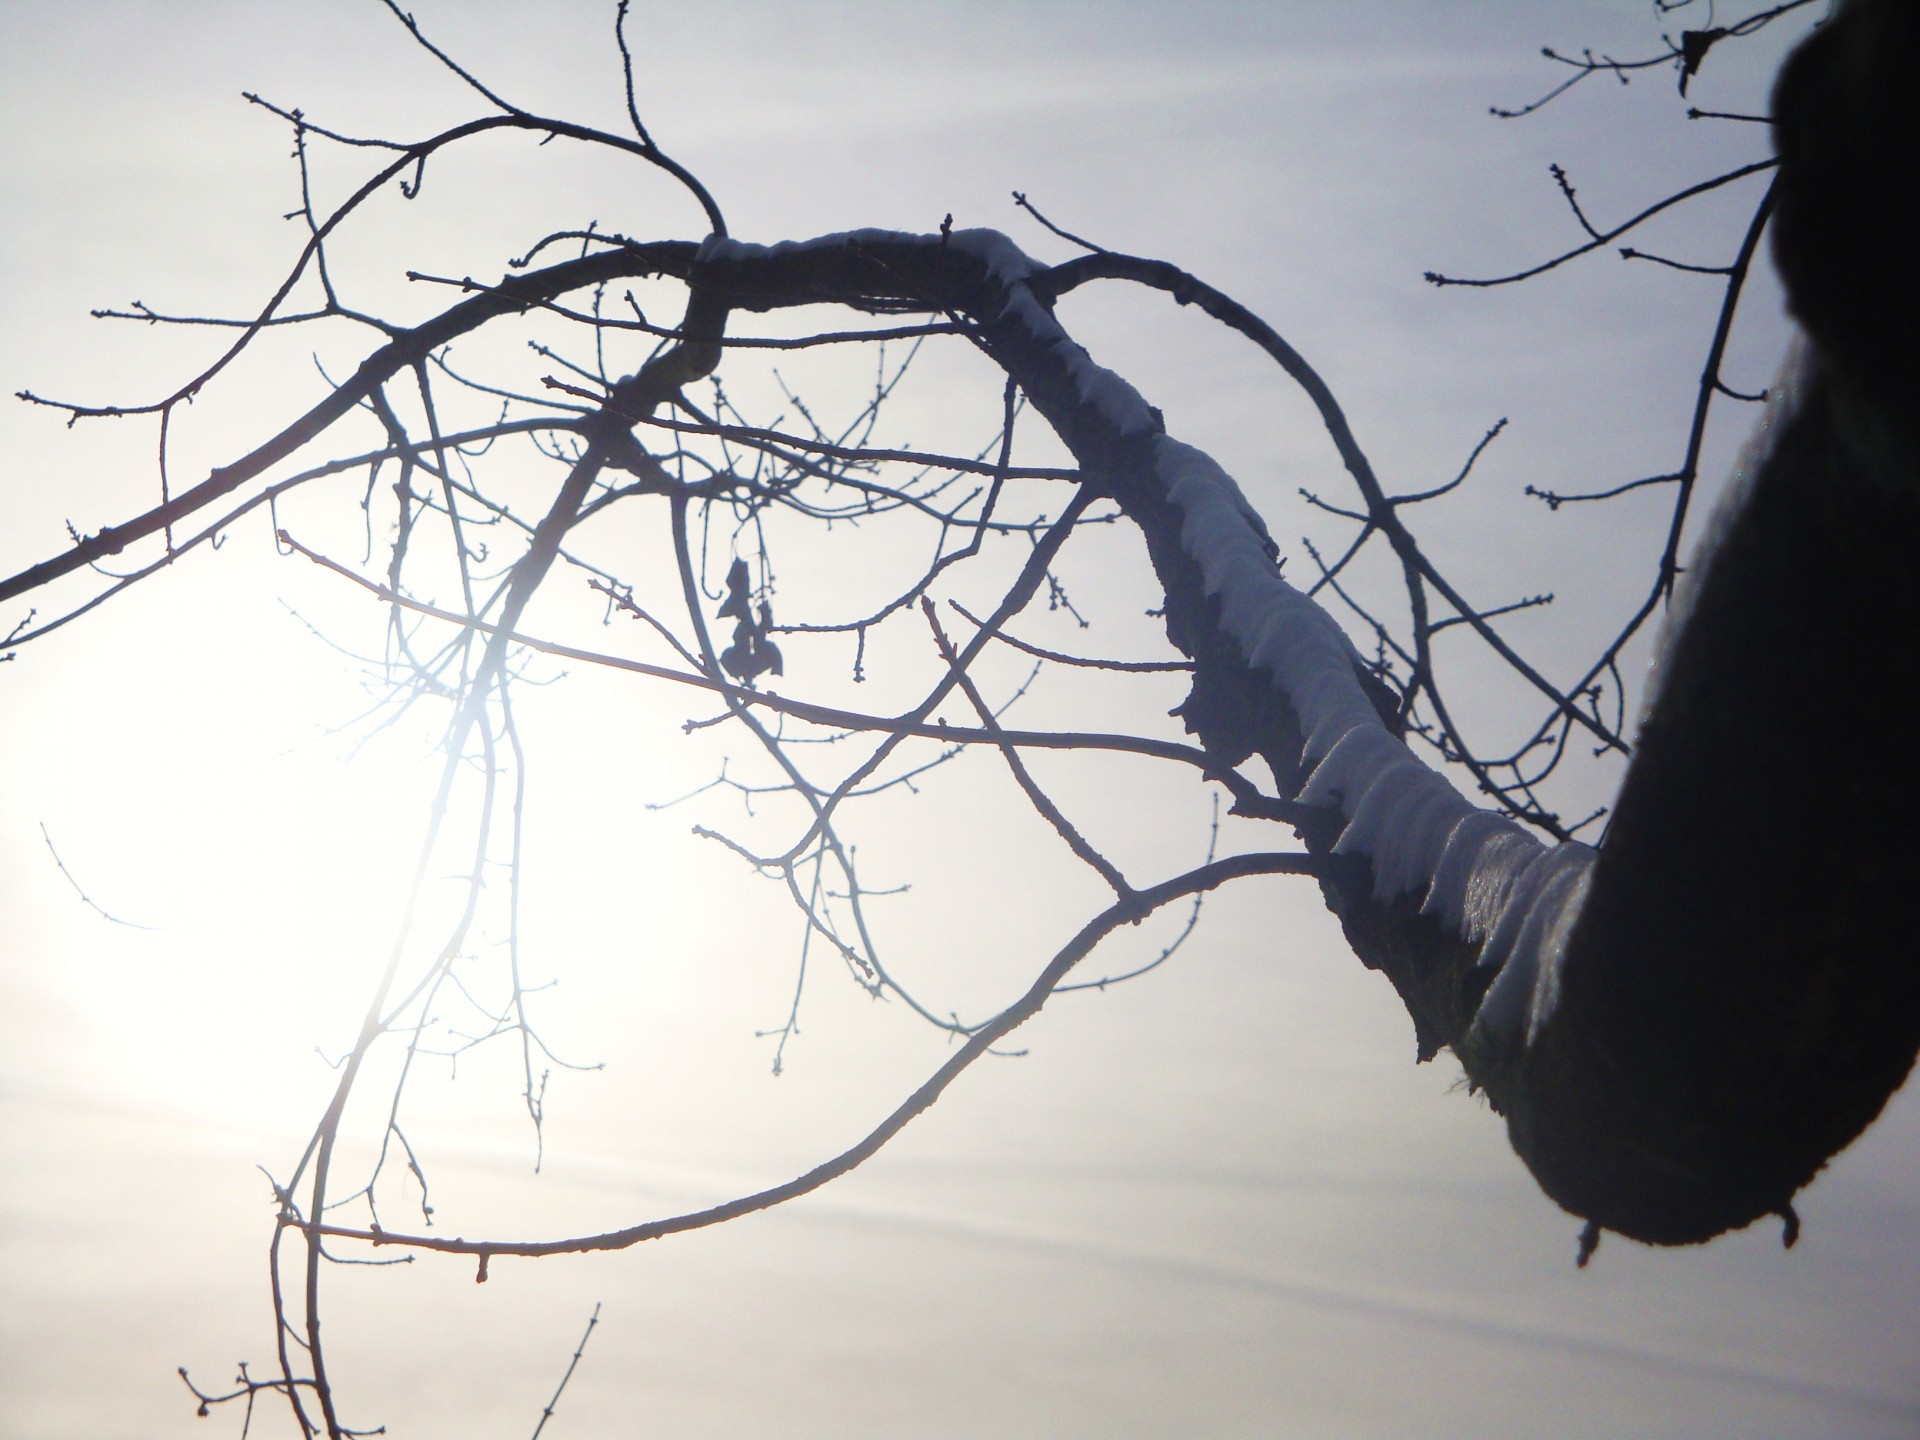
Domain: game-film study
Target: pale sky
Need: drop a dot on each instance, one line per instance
(1220, 1200)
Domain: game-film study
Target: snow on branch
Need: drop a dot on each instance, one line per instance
(1479, 872)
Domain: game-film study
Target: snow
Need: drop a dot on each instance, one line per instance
(721, 249)
(1478, 872)
(1119, 404)
(1481, 873)
(1009, 269)
(1006, 262)
(1529, 939)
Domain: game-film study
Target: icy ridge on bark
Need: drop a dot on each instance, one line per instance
(1476, 871)
(1006, 263)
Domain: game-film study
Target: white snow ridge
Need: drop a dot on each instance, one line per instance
(1480, 872)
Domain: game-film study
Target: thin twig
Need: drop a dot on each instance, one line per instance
(561, 1389)
(92, 904)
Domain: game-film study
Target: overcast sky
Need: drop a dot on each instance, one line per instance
(1219, 1200)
